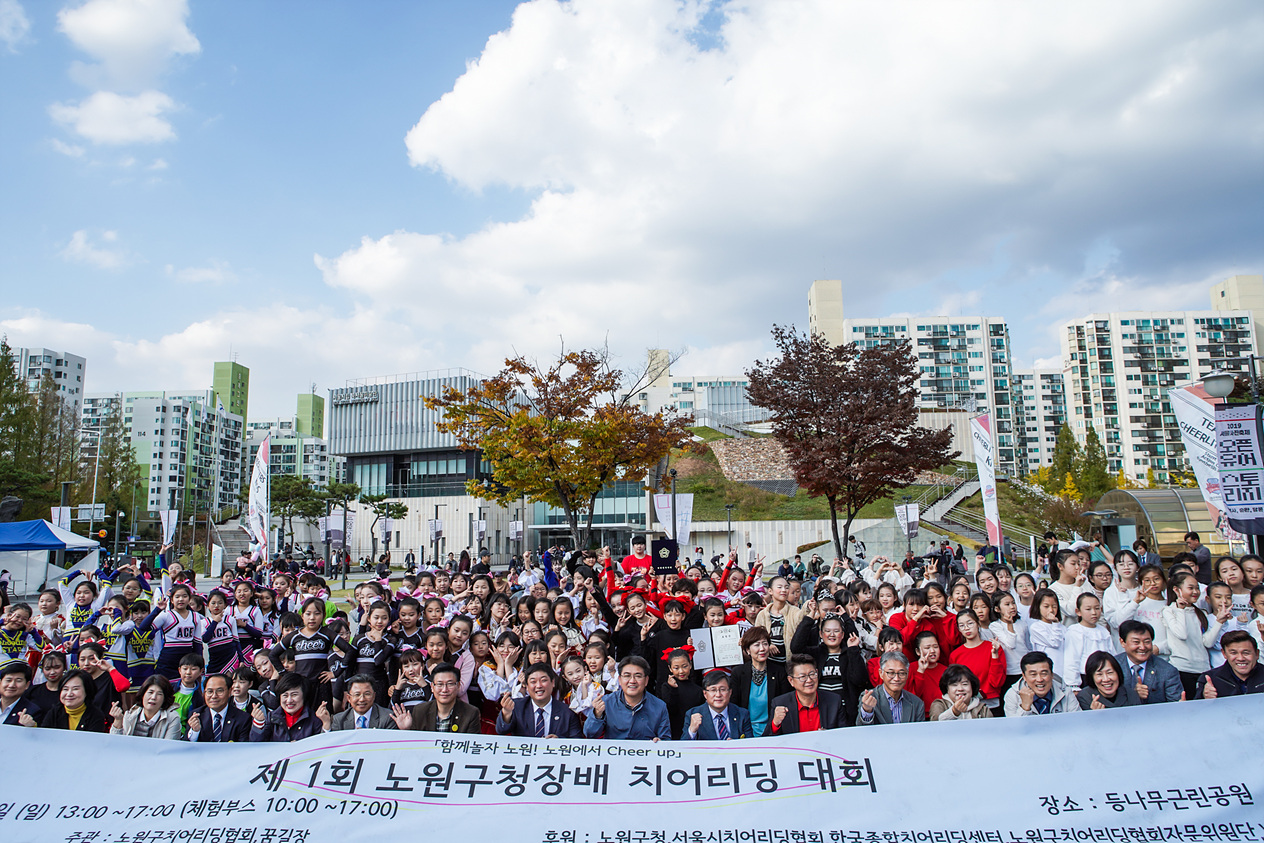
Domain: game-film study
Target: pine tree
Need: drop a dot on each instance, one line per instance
(1066, 458)
(1094, 479)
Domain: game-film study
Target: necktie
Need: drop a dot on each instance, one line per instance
(539, 723)
(1137, 672)
(217, 727)
(362, 722)
(722, 726)
(1042, 705)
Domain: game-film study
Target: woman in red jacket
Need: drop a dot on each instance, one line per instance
(985, 659)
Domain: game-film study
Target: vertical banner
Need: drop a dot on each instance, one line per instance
(908, 516)
(60, 517)
(981, 435)
(388, 524)
(684, 515)
(482, 530)
(259, 517)
(436, 529)
(1241, 466)
(170, 519)
(1195, 413)
(515, 531)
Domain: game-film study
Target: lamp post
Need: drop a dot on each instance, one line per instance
(728, 509)
(117, 516)
(908, 534)
(675, 524)
(1219, 385)
(436, 536)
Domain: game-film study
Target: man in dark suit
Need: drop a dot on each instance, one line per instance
(1153, 678)
(444, 713)
(806, 708)
(889, 702)
(218, 721)
(539, 715)
(15, 681)
(718, 720)
(362, 711)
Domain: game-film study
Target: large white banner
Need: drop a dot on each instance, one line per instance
(259, 517)
(981, 435)
(60, 517)
(684, 515)
(908, 515)
(1072, 777)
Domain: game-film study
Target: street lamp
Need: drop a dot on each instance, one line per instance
(436, 538)
(1219, 384)
(117, 516)
(675, 527)
(728, 508)
(908, 534)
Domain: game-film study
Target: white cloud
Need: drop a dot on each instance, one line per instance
(688, 194)
(216, 272)
(132, 40)
(81, 249)
(158, 164)
(67, 149)
(14, 26)
(110, 118)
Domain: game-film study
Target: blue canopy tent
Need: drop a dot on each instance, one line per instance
(25, 548)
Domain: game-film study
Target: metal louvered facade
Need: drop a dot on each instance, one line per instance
(389, 415)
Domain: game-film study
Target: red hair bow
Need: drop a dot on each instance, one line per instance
(684, 648)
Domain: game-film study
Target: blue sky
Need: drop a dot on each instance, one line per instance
(338, 190)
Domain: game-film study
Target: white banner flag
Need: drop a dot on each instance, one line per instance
(1241, 464)
(981, 435)
(1094, 781)
(170, 519)
(436, 529)
(388, 524)
(515, 531)
(259, 517)
(684, 515)
(907, 515)
(482, 530)
(60, 517)
(1195, 413)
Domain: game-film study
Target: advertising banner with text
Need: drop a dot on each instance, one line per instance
(1128, 775)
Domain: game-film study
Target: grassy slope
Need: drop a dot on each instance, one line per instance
(1014, 509)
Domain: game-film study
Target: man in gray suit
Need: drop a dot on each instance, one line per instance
(1153, 678)
(889, 703)
(362, 711)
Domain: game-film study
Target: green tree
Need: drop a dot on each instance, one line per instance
(382, 508)
(1094, 478)
(1066, 459)
(21, 473)
(559, 433)
(339, 496)
(290, 496)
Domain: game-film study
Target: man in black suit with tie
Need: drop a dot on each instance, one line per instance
(218, 721)
(540, 715)
(718, 720)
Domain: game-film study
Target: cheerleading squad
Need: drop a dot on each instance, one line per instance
(604, 649)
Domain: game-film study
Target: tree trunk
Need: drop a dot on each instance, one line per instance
(838, 545)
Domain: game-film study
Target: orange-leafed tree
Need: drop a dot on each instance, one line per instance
(558, 433)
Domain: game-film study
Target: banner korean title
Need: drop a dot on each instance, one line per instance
(1076, 777)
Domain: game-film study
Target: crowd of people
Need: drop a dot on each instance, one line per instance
(583, 644)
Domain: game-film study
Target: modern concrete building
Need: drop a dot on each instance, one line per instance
(67, 370)
(825, 311)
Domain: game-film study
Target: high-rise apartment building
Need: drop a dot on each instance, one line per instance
(1119, 367)
(67, 371)
(1041, 412)
(231, 384)
(294, 449)
(825, 310)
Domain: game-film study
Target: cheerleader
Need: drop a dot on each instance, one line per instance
(371, 652)
(312, 648)
(84, 600)
(223, 650)
(18, 641)
(247, 617)
(179, 627)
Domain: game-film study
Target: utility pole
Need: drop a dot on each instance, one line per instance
(674, 525)
(728, 508)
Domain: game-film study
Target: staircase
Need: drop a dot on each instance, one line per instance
(233, 538)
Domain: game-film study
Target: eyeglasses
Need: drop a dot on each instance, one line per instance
(445, 684)
(807, 677)
(894, 674)
(632, 676)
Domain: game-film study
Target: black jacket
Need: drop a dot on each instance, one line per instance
(829, 705)
(22, 705)
(236, 727)
(275, 730)
(1227, 682)
(855, 672)
(741, 681)
(93, 720)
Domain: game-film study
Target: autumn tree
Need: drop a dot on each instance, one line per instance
(1065, 459)
(847, 420)
(1092, 473)
(558, 433)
